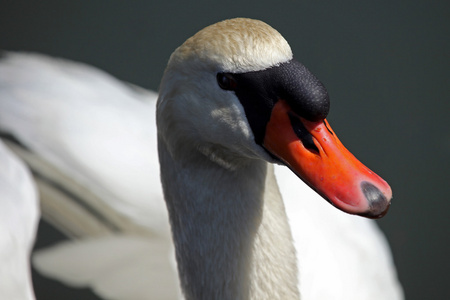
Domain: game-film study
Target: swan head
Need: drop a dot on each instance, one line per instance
(234, 92)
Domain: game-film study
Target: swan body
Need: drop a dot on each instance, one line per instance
(19, 215)
(75, 120)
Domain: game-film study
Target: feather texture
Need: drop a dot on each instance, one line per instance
(19, 215)
(115, 267)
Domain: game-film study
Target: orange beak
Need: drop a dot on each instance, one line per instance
(313, 151)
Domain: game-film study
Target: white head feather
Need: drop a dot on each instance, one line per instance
(235, 45)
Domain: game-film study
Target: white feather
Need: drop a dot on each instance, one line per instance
(19, 215)
(93, 128)
(115, 267)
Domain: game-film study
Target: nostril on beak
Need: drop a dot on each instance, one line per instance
(378, 203)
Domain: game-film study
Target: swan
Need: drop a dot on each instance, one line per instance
(222, 99)
(19, 216)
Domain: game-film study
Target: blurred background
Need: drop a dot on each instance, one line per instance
(385, 64)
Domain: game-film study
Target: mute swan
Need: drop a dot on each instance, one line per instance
(233, 239)
(19, 215)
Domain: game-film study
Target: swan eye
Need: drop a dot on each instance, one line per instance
(226, 81)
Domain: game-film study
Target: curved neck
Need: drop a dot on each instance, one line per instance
(230, 229)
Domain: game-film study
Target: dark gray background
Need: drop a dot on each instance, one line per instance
(385, 64)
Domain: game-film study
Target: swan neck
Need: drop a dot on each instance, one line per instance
(229, 227)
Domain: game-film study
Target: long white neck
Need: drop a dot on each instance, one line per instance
(230, 229)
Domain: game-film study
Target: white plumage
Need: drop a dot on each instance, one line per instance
(19, 215)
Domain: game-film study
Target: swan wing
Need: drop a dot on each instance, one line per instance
(91, 127)
(115, 267)
(19, 215)
(91, 143)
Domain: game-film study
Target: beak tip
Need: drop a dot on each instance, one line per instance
(378, 202)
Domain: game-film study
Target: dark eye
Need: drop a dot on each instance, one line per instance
(226, 81)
